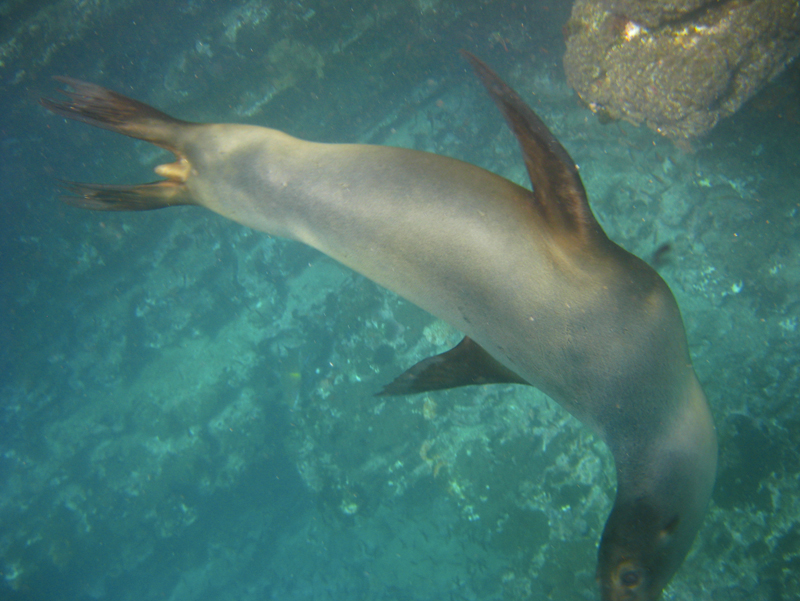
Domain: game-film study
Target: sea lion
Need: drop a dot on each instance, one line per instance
(544, 297)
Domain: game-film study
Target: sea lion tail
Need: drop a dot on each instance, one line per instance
(95, 105)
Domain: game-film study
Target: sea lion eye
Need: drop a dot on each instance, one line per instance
(630, 578)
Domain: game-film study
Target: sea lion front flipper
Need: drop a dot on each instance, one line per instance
(466, 364)
(559, 196)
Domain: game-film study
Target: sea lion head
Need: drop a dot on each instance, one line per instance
(639, 552)
(665, 450)
(652, 526)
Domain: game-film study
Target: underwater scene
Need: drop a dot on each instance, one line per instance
(189, 408)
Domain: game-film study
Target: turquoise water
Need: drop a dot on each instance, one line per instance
(186, 406)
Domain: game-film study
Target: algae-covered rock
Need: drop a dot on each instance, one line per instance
(679, 67)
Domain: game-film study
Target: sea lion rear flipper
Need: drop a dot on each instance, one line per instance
(466, 364)
(559, 196)
(104, 108)
(143, 197)
(98, 106)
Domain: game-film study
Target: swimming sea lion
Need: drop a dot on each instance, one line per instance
(544, 297)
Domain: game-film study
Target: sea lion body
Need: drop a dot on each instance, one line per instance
(530, 277)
